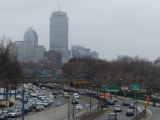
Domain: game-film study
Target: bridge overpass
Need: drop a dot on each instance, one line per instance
(74, 81)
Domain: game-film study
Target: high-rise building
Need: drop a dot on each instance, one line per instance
(59, 34)
(80, 51)
(31, 35)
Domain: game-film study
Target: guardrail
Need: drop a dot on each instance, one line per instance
(140, 115)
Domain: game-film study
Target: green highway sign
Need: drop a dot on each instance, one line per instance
(113, 88)
(134, 87)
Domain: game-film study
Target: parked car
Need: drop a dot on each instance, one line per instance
(117, 108)
(132, 105)
(130, 112)
(3, 116)
(112, 116)
(79, 107)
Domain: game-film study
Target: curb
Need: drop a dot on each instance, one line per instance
(103, 113)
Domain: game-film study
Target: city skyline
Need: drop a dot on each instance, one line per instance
(111, 28)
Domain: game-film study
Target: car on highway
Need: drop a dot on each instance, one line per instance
(75, 101)
(15, 113)
(86, 106)
(111, 101)
(65, 94)
(3, 116)
(43, 88)
(39, 106)
(55, 92)
(19, 96)
(114, 97)
(132, 105)
(58, 103)
(79, 107)
(112, 116)
(76, 95)
(118, 108)
(46, 103)
(49, 99)
(130, 112)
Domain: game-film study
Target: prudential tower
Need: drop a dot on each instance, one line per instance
(59, 34)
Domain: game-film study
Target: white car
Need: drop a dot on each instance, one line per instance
(76, 95)
(117, 108)
(18, 96)
(79, 107)
(15, 113)
(43, 88)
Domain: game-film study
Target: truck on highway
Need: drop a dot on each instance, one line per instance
(126, 102)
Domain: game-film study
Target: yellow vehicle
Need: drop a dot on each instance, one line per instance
(66, 94)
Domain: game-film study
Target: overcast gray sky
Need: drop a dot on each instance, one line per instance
(110, 27)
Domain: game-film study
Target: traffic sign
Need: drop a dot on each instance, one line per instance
(104, 95)
(145, 106)
(113, 88)
(147, 99)
(124, 87)
(134, 87)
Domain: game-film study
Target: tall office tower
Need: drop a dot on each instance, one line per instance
(31, 35)
(59, 34)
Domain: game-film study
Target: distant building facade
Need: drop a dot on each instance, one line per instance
(59, 34)
(80, 51)
(54, 57)
(31, 35)
(28, 49)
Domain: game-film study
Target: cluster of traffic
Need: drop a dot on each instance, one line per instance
(74, 98)
(34, 101)
(130, 102)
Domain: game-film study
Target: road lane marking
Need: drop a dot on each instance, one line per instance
(139, 109)
(51, 95)
(149, 111)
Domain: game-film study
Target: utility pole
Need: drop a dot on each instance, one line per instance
(73, 111)
(136, 101)
(69, 109)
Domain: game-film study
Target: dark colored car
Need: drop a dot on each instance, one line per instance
(112, 116)
(3, 116)
(74, 101)
(130, 112)
(55, 92)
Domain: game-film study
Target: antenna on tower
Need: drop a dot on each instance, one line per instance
(59, 5)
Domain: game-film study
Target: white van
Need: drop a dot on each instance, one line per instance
(76, 95)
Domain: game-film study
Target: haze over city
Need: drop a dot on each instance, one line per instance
(109, 27)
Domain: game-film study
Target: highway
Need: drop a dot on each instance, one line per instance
(121, 115)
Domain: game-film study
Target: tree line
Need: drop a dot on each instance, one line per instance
(124, 71)
(10, 67)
